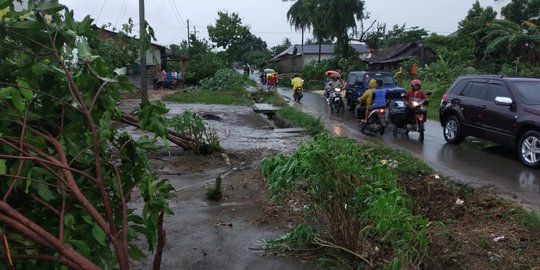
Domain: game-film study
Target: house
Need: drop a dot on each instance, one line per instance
(157, 57)
(296, 56)
(391, 58)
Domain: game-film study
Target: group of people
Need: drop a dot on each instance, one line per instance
(373, 98)
(269, 80)
(162, 78)
(248, 69)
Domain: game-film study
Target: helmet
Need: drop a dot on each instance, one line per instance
(416, 82)
(296, 75)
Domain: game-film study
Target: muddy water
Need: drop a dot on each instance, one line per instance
(203, 234)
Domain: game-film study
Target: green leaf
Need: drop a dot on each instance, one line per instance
(84, 51)
(135, 253)
(44, 191)
(98, 234)
(88, 219)
(5, 4)
(3, 168)
(25, 89)
(17, 99)
(69, 220)
(28, 24)
(81, 246)
(51, 7)
(5, 92)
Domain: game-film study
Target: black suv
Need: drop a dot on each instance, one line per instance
(505, 110)
(357, 84)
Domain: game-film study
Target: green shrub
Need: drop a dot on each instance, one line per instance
(191, 125)
(352, 193)
(204, 66)
(225, 80)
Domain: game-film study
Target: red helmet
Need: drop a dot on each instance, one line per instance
(416, 82)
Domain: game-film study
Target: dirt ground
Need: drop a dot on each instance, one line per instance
(228, 234)
(481, 233)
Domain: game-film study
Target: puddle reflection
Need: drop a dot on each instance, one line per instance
(528, 181)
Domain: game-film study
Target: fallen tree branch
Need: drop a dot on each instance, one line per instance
(325, 243)
(176, 138)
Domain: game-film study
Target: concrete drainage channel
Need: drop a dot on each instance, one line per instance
(280, 125)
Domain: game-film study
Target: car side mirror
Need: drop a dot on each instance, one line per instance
(503, 101)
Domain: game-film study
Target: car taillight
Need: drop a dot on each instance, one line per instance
(443, 99)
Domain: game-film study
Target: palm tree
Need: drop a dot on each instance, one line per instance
(503, 36)
(298, 17)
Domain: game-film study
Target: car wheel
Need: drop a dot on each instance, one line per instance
(529, 148)
(452, 130)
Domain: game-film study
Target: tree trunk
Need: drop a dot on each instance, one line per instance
(320, 45)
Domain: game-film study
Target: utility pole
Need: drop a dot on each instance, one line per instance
(142, 51)
(188, 38)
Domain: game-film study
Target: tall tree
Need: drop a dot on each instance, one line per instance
(340, 17)
(506, 39)
(329, 20)
(468, 34)
(298, 17)
(281, 47)
(519, 11)
(235, 38)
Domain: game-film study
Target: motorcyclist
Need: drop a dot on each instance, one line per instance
(297, 82)
(366, 100)
(332, 84)
(415, 94)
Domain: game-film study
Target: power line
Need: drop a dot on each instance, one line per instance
(121, 13)
(179, 16)
(101, 9)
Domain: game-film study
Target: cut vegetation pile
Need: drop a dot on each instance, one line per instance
(368, 206)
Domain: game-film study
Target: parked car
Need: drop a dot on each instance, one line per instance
(504, 110)
(357, 84)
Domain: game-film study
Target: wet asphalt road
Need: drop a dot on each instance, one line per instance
(474, 162)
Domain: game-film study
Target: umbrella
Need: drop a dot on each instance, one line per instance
(269, 70)
(330, 73)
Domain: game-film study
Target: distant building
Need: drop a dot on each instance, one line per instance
(297, 56)
(390, 59)
(157, 57)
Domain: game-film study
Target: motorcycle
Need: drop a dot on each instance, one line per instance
(166, 84)
(298, 94)
(336, 100)
(376, 121)
(404, 124)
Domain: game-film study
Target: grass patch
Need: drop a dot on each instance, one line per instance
(214, 193)
(530, 219)
(301, 119)
(198, 95)
(270, 97)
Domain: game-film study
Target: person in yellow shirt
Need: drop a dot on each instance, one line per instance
(366, 100)
(297, 82)
(297, 87)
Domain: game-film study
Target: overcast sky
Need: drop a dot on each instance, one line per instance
(266, 18)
